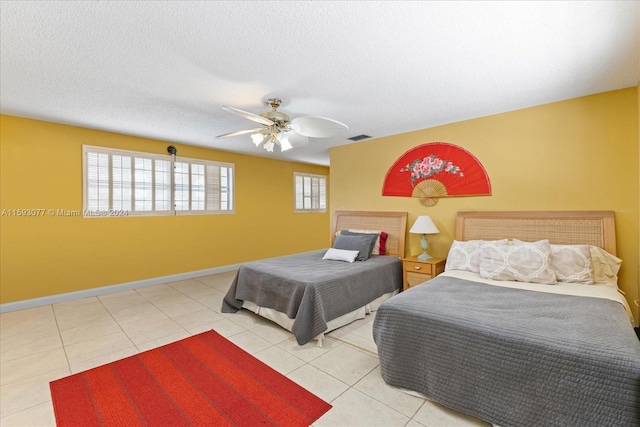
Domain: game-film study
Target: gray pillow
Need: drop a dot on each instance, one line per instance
(363, 244)
(374, 236)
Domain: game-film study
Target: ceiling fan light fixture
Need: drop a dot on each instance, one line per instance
(283, 139)
(285, 145)
(269, 145)
(257, 138)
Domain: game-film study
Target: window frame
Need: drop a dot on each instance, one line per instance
(321, 196)
(215, 193)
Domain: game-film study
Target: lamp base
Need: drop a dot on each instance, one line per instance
(424, 256)
(424, 244)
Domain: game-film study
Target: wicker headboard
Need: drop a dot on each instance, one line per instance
(595, 228)
(392, 223)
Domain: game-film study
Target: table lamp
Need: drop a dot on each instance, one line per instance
(424, 226)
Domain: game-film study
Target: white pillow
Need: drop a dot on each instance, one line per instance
(525, 262)
(465, 255)
(340, 255)
(605, 266)
(572, 263)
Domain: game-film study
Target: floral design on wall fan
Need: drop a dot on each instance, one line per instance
(428, 166)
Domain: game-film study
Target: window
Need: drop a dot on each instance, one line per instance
(120, 183)
(310, 192)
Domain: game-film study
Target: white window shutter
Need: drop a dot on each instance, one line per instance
(212, 195)
(97, 181)
(147, 184)
(310, 194)
(163, 186)
(181, 172)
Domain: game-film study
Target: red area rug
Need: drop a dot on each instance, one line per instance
(203, 380)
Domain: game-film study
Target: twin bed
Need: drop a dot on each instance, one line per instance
(517, 353)
(311, 296)
(528, 344)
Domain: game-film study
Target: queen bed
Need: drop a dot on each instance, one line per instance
(520, 343)
(310, 295)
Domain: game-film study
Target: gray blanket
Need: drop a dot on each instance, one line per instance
(512, 357)
(311, 290)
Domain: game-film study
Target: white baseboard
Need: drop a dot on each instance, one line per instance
(85, 293)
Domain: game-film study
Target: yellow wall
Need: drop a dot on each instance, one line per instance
(41, 168)
(580, 154)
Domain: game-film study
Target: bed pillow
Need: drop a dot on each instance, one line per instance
(465, 255)
(381, 243)
(361, 243)
(605, 266)
(572, 263)
(340, 255)
(380, 247)
(524, 262)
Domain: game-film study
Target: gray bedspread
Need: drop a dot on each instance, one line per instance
(311, 290)
(512, 357)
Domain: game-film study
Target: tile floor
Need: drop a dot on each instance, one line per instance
(45, 343)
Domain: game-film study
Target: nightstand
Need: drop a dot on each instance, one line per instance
(415, 272)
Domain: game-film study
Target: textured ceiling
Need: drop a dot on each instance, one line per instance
(164, 69)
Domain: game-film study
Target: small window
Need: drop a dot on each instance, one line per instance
(310, 192)
(122, 183)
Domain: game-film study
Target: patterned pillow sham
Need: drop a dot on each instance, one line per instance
(525, 262)
(572, 263)
(465, 255)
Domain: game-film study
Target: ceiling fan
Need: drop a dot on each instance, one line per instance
(279, 129)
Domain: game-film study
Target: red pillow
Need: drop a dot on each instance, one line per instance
(383, 243)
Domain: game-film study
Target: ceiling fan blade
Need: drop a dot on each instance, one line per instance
(317, 127)
(242, 132)
(250, 116)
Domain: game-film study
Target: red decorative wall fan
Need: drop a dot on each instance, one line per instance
(436, 169)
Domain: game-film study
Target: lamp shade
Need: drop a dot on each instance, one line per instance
(424, 225)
